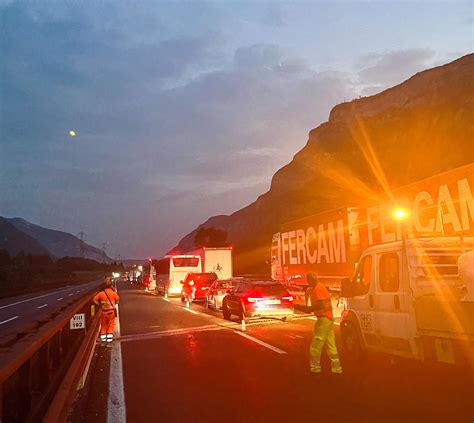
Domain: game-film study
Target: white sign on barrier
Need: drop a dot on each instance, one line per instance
(78, 321)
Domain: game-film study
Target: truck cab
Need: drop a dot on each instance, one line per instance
(406, 298)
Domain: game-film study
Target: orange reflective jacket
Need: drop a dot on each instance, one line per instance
(321, 302)
(107, 303)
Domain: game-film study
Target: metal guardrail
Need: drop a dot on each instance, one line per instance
(33, 368)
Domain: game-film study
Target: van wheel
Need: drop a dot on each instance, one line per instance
(351, 342)
(226, 312)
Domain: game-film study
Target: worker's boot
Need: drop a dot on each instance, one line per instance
(336, 367)
(315, 365)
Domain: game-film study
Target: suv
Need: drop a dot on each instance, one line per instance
(258, 299)
(195, 286)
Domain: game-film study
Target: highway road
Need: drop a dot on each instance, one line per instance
(177, 365)
(19, 314)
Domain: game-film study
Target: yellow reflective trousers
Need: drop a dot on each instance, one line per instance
(324, 337)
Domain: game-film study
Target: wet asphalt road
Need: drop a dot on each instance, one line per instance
(181, 365)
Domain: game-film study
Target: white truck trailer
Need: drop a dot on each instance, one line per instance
(217, 260)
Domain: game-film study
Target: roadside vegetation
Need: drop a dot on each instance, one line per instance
(26, 273)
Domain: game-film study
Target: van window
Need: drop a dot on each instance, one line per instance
(389, 273)
(363, 276)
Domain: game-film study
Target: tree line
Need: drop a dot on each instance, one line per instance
(28, 272)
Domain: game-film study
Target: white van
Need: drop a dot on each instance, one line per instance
(407, 298)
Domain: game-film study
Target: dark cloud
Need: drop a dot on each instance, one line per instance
(181, 112)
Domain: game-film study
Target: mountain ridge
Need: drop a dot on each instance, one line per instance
(405, 133)
(54, 243)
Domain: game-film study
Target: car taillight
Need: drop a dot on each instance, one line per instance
(191, 283)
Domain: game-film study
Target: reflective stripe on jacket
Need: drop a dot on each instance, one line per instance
(102, 299)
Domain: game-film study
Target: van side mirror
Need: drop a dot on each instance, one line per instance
(347, 288)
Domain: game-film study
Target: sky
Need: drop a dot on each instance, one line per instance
(185, 109)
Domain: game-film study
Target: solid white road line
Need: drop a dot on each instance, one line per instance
(191, 311)
(32, 299)
(263, 344)
(9, 320)
(116, 412)
(42, 306)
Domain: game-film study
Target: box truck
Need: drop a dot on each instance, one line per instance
(217, 260)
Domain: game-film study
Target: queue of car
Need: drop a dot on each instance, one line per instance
(244, 298)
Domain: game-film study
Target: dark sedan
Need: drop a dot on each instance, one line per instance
(258, 299)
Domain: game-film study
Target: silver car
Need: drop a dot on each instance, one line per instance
(218, 291)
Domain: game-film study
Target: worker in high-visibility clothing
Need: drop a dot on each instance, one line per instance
(107, 299)
(323, 329)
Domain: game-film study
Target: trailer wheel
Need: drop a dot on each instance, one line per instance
(352, 342)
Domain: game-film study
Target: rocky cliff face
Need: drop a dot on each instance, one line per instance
(411, 131)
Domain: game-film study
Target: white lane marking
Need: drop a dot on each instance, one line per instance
(295, 336)
(34, 298)
(60, 298)
(9, 320)
(165, 299)
(263, 344)
(191, 311)
(42, 306)
(70, 295)
(116, 411)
